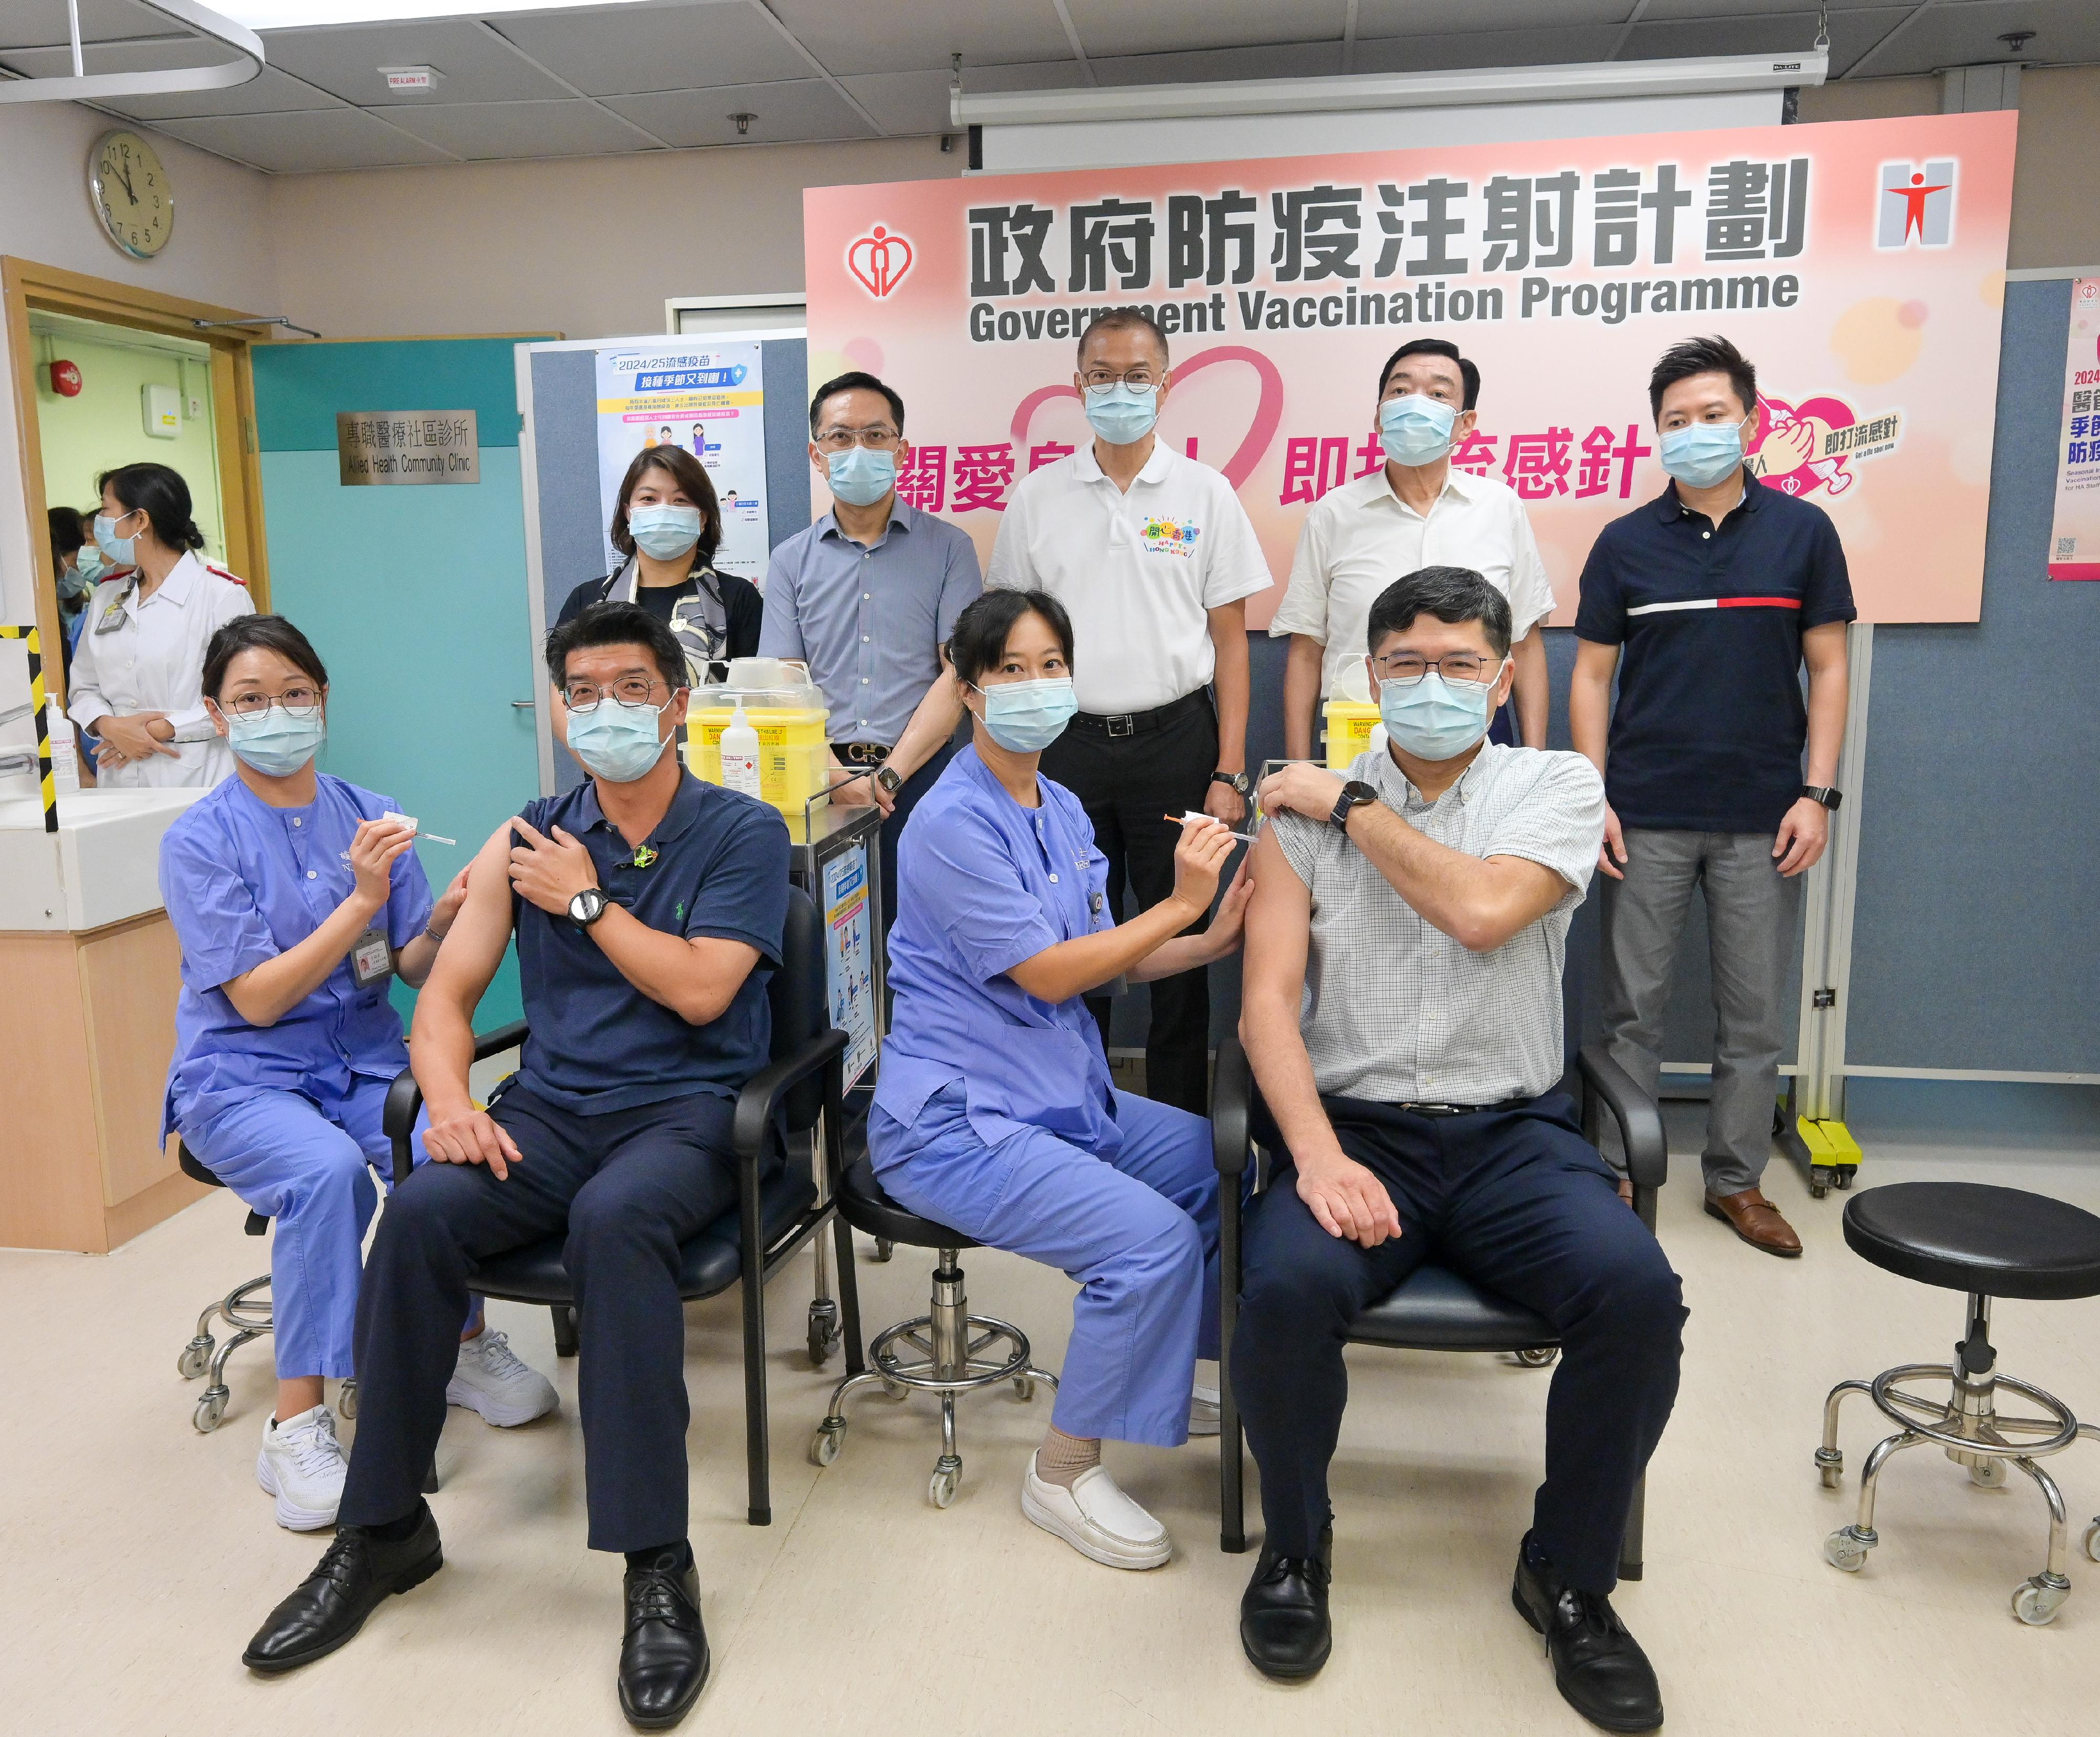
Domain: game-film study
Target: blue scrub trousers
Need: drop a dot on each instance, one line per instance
(304, 1163)
(1137, 1227)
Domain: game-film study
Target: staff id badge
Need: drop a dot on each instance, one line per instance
(372, 960)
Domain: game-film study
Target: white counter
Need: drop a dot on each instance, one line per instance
(101, 866)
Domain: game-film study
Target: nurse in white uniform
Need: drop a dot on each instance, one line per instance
(137, 688)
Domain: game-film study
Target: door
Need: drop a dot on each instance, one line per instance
(414, 594)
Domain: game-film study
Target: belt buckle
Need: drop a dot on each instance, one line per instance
(1121, 724)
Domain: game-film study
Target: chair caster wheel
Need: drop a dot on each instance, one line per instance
(346, 1400)
(884, 1248)
(1023, 1388)
(195, 1358)
(1540, 1357)
(825, 1332)
(941, 1489)
(1989, 1475)
(895, 1390)
(825, 1444)
(1846, 1172)
(2093, 1540)
(1820, 1176)
(209, 1410)
(1844, 1549)
(2036, 1602)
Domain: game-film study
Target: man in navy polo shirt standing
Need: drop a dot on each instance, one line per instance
(648, 908)
(1719, 591)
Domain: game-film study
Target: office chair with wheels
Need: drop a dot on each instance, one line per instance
(1433, 1309)
(799, 1095)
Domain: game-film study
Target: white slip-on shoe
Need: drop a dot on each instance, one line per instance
(1097, 1519)
(492, 1379)
(1205, 1418)
(302, 1465)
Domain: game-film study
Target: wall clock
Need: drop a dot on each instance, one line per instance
(129, 187)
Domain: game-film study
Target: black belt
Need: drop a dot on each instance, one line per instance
(1462, 1109)
(860, 753)
(1131, 723)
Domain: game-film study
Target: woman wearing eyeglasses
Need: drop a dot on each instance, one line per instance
(296, 903)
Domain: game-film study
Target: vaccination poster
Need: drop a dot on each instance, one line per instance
(849, 960)
(665, 392)
(2074, 543)
(1859, 265)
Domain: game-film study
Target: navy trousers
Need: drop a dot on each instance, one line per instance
(630, 1186)
(1516, 1200)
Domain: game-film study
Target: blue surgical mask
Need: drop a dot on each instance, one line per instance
(275, 742)
(861, 475)
(119, 549)
(1434, 719)
(91, 565)
(1701, 454)
(665, 532)
(1027, 717)
(1122, 415)
(1415, 430)
(73, 582)
(617, 743)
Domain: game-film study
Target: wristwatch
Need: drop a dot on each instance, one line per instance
(587, 907)
(889, 779)
(1242, 785)
(1829, 794)
(1355, 794)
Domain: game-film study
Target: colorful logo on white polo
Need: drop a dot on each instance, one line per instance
(879, 260)
(1170, 537)
(1916, 205)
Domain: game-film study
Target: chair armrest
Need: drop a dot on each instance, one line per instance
(761, 1094)
(404, 1097)
(1231, 1094)
(1638, 1116)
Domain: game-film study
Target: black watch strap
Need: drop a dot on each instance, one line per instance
(1238, 782)
(1355, 794)
(1829, 795)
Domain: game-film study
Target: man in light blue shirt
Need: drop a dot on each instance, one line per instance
(866, 597)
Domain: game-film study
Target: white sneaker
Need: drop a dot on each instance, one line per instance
(490, 1378)
(302, 1465)
(1097, 1519)
(1205, 1418)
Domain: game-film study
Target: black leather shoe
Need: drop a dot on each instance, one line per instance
(663, 1660)
(332, 1602)
(1283, 1612)
(1599, 1667)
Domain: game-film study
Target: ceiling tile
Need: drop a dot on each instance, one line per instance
(478, 68)
(905, 103)
(1387, 19)
(1782, 33)
(2067, 31)
(906, 36)
(269, 92)
(483, 131)
(294, 143)
(1109, 28)
(1448, 53)
(1205, 65)
(30, 23)
(785, 112)
(643, 48)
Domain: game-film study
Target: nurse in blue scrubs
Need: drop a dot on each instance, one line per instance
(296, 904)
(994, 1114)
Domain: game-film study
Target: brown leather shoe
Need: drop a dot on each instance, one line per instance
(1756, 1220)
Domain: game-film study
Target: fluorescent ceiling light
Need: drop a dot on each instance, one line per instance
(1375, 91)
(286, 15)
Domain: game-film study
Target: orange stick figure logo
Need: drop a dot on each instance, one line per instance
(1914, 198)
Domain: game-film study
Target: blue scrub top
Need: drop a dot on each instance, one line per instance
(242, 882)
(984, 884)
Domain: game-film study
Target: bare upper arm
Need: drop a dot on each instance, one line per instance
(1279, 926)
(1824, 645)
(1595, 661)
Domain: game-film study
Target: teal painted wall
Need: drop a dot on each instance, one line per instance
(415, 596)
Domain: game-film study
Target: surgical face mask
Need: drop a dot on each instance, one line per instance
(1027, 717)
(861, 475)
(1122, 415)
(1415, 430)
(120, 549)
(73, 582)
(617, 743)
(664, 531)
(274, 742)
(91, 565)
(1701, 454)
(1434, 719)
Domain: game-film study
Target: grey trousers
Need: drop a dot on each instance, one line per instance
(1753, 917)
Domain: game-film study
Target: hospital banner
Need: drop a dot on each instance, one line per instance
(671, 392)
(1859, 265)
(2074, 543)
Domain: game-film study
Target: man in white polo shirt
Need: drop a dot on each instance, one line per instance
(1153, 556)
(1416, 512)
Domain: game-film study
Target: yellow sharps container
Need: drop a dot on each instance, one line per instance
(787, 710)
(1349, 725)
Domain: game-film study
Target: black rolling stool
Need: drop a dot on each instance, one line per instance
(1989, 1242)
(952, 1342)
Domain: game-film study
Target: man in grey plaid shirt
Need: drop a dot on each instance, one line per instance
(1402, 1012)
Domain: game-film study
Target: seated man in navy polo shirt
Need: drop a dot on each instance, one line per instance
(648, 908)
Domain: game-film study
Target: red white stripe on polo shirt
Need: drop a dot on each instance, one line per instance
(1718, 603)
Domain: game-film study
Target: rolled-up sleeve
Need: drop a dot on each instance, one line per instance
(216, 919)
(987, 914)
(1559, 824)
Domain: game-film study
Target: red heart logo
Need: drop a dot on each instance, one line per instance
(879, 260)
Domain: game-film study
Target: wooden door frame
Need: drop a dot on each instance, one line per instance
(26, 284)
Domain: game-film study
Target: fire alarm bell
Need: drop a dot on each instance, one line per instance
(65, 379)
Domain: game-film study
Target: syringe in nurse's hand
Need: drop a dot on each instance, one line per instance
(434, 837)
(1209, 819)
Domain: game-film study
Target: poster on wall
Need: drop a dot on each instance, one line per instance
(711, 403)
(2074, 541)
(849, 960)
(1859, 265)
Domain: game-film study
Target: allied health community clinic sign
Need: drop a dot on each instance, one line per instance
(1860, 265)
